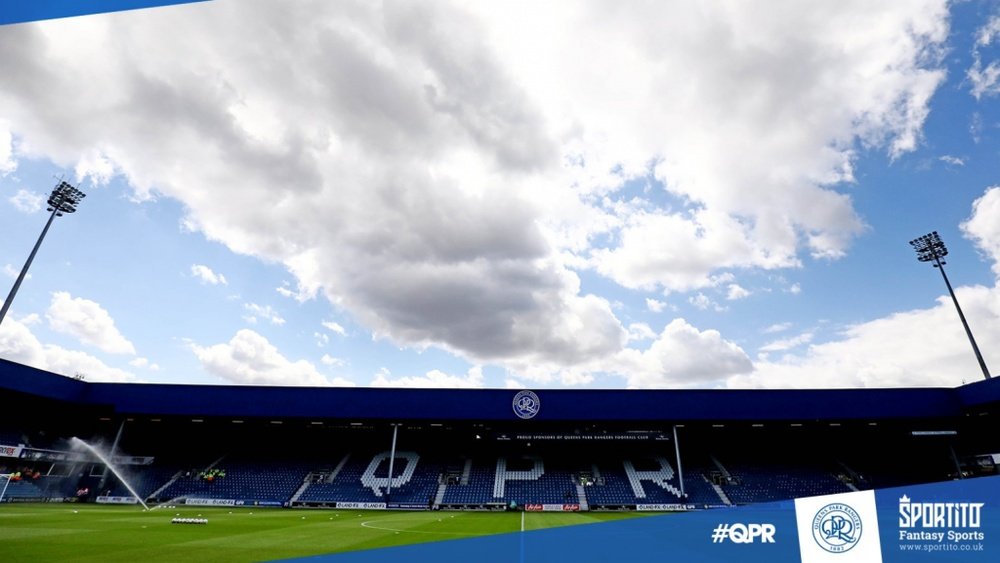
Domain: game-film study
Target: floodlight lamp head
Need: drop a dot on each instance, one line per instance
(929, 247)
(64, 199)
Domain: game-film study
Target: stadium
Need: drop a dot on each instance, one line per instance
(609, 453)
(469, 281)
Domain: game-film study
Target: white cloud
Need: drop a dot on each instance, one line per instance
(144, 363)
(511, 383)
(640, 331)
(32, 319)
(655, 305)
(778, 327)
(206, 275)
(436, 171)
(976, 127)
(7, 162)
(984, 79)
(735, 291)
(12, 272)
(983, 226)
(434, 378)
(682, 356)
(795, 289)
(704, 302)
(18, 344)
(255, 311)
(698, 246)
(953, 160)
(549, 373)
(322, 339)
(914, 348)
(988, 32)
(73, 362)
(302, 294)
(328, 360)
(27, 201)
(787, 343)
(96, 167)
(88, 322)
(700, 301)
(745, 156)
(334, 327)
(679, 356)
(248, 358)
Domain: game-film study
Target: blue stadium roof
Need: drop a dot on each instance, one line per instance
(496, 404)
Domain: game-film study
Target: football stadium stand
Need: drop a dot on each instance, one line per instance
(481, 449)
(365, 478)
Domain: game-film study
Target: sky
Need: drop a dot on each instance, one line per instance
(563, 194)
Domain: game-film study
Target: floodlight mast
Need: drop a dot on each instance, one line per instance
(929, 248)
(63, 199)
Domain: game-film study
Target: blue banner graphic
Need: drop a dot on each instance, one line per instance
(955, 521)
(952, 521)
(21, 11)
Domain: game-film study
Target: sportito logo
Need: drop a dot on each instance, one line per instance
(836, 527)
(526, 404)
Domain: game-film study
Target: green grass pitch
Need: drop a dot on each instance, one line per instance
(105, 533)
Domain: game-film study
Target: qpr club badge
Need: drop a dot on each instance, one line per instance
(526, 404)
(837, 528)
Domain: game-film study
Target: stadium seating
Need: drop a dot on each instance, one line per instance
(533, 483)
(475, 487)
(642, 480)
(361, 477)
(245, 480)
(733, 467)
(144, 480)
(10, 437)
(364, 478)
(24, 490)
(766, 483)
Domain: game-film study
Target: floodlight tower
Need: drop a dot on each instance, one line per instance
(929, 248)
(63, 199)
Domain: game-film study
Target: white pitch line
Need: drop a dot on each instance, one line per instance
(370, 527)
(522, 520)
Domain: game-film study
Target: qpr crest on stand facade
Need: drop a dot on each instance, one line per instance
(526, 404)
